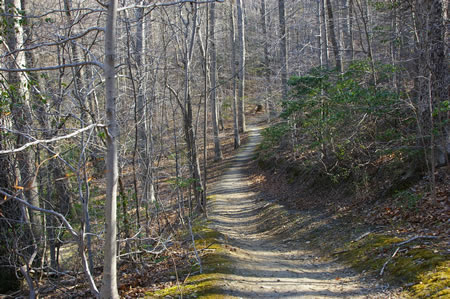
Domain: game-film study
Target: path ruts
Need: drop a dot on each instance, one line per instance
(264, 265)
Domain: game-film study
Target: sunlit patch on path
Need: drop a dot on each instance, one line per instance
(265, 264)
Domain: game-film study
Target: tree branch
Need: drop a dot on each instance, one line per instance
(48, 140)
(60, 42)
(415, 238)
(388, 260)
(52, 68)
(154, 5)
(176, 96)
(58, 215)
(54, 11)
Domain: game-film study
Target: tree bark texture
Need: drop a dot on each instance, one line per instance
(237, 139)
(190, 136)
(333, 36)
(432, 78)
(142, 126)
(270, 106)
(21, 110)
(349, 33)
(283, 48)
(213, 78)
(324, 22)
(109, 287)
(241, 65)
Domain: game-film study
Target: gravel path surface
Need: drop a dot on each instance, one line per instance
(271, 265)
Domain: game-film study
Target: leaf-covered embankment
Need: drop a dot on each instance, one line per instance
(374, 211)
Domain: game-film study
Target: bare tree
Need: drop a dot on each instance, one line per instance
(241, 65)
(213, 78)
(237, 140)
(109, 288)
(270, 106)
(333, 36)
(365, 18)
(431, 84)
(185, 102)
(283, 48)
(21, 110)
(324, 33)
(22, 122)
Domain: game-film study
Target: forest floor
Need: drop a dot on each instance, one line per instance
(266, 237)
(267, 258)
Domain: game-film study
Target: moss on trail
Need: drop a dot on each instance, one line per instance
(331, 215)
(370, 253)
(215, 264)
(434, 284)
(427, 270)
(418, 263)
(198, 286)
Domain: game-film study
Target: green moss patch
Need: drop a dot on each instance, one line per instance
(414, 264)
(205, 237)
(211, 197)
(215, 262)
(411, 265)
(370, 253)
(198, 286)
(433, 284)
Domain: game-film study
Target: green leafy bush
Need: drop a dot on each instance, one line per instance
(344, 122)
(273, 135)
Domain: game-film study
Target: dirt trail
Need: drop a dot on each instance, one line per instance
(266, 264)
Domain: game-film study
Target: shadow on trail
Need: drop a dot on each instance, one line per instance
(294, 294)
(268, 259)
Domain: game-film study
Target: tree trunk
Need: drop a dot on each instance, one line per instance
(22, 121)
(237, 139)
(325, 47)
(9, 281)
(283, 48)
(144, 130)
(109, 287)
(333, 37)
(241, 66)
(270, 106)
(431, 83)
(439, 76)
(320, 35)
(194, 164)
(393, 46)
(81, 98)
(21, 110)
(213, 76)
(349, 46)
(207, 74)
(366, 23)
